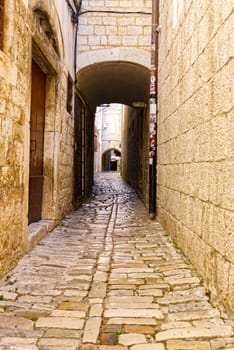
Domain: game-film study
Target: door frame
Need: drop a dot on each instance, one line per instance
(37, 130)
(51, 140)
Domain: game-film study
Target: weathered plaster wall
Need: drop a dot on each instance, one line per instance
(195, 137)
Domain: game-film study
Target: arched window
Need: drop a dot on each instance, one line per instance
(1, 23)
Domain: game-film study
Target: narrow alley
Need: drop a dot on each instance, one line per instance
(108, 278)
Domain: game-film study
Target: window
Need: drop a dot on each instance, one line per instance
(1, 23)
(69, 94)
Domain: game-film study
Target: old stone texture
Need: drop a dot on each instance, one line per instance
(24, 40)
(55, 305)
(194, 174)
(158, 346)
(108, 338)
(14, 77)
(91, 330)
(194, 332)
(131, 339)
(59, 322)
(187, 345)
(139, 329)
(195, 137)
(102, 31)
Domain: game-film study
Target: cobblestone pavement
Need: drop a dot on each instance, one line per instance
(108, 278)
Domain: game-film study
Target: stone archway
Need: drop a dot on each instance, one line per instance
(124, 82)
(111, 160)
(117, 54)
(114, 82)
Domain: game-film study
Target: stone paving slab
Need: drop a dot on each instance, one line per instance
(108, 278)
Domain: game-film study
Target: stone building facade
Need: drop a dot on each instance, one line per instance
(37, 122)
(109, 24)
(195, 137)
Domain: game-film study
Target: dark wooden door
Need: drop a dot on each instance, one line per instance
(37, 125)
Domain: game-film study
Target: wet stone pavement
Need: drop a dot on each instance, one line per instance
(108, 278)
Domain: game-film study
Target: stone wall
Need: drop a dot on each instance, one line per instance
(116, 36)
(14, 114)
(134, 152)
(99, 30)
(195, 137)
(65, 159)
(25, 40)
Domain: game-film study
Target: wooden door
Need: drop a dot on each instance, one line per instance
(37, 125)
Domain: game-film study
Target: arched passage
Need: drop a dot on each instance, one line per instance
(124, 82)
(111, 160)
(115, 54)
(113, 82)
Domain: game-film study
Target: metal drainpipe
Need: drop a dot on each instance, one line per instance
(153, 112)
(76, 35)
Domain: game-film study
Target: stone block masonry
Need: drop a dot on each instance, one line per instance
(98, 30)
(42, 32)
(195, 137)
(108, 278)
(26, 41)
(14, 77)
